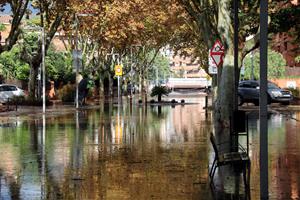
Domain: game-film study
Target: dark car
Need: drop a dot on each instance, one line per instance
(249, 92)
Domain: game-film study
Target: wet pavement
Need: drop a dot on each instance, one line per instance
(114, 152)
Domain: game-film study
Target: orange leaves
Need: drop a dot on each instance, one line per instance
(125, 22)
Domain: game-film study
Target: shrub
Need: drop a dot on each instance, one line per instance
(174, 101)
(67, 93)
(159, 91)
(295, 92)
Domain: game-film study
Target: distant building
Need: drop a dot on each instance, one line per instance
(6, 21)
(285, 44)
(186, 67)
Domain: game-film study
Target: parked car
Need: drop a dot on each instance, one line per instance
(248, 91)
(8, 92)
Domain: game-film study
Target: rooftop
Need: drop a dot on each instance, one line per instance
(5, 19)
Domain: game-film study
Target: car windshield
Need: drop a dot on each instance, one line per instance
(272, 86)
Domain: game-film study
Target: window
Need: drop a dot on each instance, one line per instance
(245, 85)
(254, 85)
(8, 88)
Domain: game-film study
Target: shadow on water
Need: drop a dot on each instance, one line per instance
(136, 152)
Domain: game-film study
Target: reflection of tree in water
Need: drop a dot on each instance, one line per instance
(83, 119)
(13, 183)
(158, 112)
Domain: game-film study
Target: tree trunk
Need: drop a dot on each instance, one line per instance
(111, 86)
(159, 98)
(101, 87)
(224, 104)
(143, 89)
(32, 82)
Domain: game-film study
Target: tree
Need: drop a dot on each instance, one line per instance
(276, 65)
(13, 65)
(159, 91)
(214, 19)
(51, 14)
(116, 26)
(18, 9)
(160, 69)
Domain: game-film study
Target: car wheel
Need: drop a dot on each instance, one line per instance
(240, 100)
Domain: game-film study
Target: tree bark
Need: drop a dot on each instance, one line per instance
(32, 82)
(224, 104)
(18, 10)
(159, 98)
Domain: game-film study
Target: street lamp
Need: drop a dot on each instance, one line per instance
(77, 53)
(37, 28)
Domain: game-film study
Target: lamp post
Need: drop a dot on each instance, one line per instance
(44, 70)
(77, 53)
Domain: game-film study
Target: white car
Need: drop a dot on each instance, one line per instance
(8, 92)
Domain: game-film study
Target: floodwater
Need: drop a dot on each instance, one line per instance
(122, 152)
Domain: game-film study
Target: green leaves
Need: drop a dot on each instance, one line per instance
(2, 27)
(159, 91)
(11, 66)
(276, 65)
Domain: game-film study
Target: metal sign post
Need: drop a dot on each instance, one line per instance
(212, 67)
(263, 109)
(118, 73)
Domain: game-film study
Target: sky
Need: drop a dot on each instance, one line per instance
(7, 10)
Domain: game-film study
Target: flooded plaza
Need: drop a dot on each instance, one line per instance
(123, 152)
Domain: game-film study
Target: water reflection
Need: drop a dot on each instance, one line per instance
(123, 152)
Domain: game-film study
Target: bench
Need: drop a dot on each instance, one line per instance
(236, 159)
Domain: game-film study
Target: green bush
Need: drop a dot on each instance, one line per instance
(67, 93)
(295, 92)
